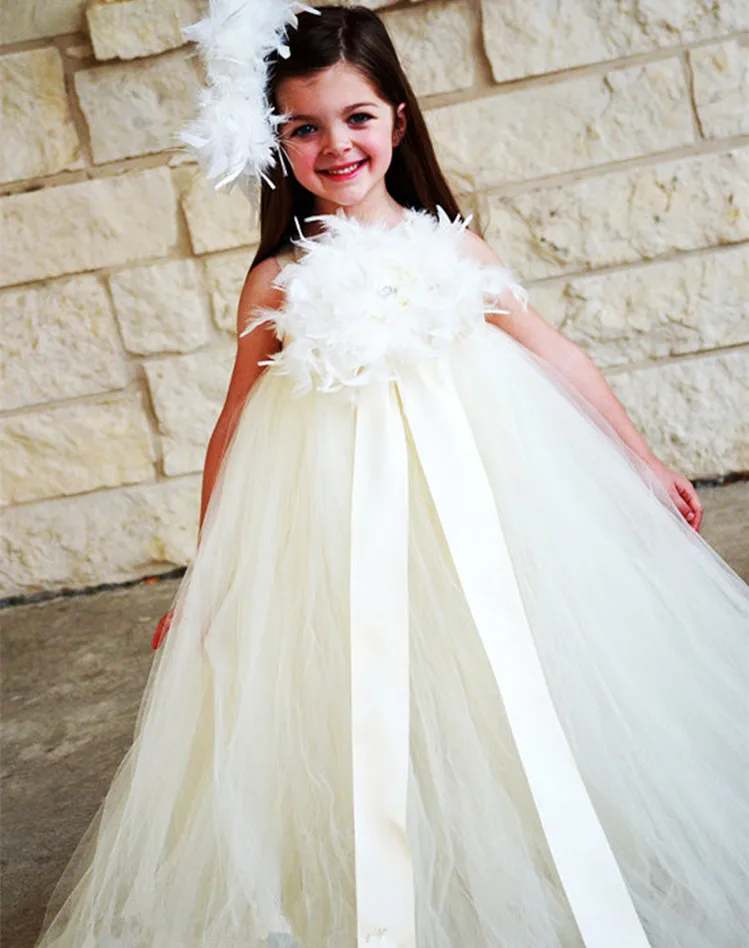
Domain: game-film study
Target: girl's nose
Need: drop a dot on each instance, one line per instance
(337, 141)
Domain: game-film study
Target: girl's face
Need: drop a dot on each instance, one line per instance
(340, 139)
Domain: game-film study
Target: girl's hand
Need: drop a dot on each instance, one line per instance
(161, 629)
(682, 492)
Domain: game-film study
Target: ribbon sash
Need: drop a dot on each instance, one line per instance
(462, 494)
(380, 691)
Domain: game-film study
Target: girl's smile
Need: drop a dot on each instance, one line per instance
(344, 172)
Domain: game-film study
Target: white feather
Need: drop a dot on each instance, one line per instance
(366, 299)
(234, 136)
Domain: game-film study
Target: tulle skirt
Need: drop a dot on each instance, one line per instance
(229, 822)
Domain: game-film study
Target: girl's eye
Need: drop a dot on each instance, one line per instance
(299, 129)
(356, 115)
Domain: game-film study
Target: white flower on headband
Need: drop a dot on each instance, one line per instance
(234, 136)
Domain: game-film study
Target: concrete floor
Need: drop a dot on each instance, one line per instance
(72, 675)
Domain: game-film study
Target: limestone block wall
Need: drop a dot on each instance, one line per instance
(603, 147)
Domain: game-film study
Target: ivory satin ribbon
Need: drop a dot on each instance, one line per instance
(380, 692)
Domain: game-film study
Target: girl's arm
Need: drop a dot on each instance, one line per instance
(536, 334)
(529, 328)
(253, 348)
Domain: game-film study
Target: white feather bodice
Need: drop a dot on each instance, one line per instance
(366, 300)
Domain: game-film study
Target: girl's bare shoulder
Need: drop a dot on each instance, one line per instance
(258, 291)
(477, 248)
(259, 279)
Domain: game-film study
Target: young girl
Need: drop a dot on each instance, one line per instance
(452, 667)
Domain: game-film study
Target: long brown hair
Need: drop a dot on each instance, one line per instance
(357, 36)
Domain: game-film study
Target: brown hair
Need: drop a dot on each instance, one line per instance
(355, 35)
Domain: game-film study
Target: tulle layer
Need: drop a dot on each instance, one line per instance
(229, 821)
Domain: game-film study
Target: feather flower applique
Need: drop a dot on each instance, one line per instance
(367, 300)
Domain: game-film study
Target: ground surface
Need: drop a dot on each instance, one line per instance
(72, 675)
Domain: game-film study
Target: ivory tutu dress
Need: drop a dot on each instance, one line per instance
(449, 669)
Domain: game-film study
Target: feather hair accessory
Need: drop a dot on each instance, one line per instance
(234, 136)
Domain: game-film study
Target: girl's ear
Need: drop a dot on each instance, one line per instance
(399, 124)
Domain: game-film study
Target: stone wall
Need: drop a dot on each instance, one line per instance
(604, 148)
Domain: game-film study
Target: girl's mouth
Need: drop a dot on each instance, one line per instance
(346, 172)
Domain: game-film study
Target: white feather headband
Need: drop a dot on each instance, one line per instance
(234, 136)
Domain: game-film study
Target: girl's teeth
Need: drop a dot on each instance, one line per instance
(346, 170)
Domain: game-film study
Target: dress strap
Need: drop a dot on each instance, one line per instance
(288, 253)
(285, 257)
